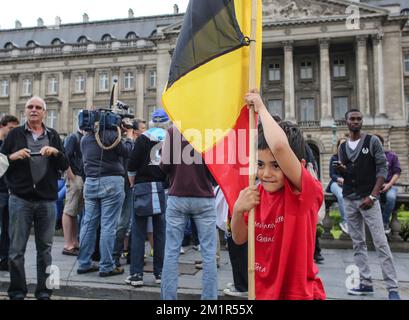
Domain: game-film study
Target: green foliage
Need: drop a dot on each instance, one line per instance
(403, 217)
(404, 230)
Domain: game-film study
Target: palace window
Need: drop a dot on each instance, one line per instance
(79, 85)
(106, 38)
(52, 85)
(27, 87)
(83, 40)
(339, 68)
(56, 42)
(307, 109)
(275, 107)
(4, 88)
(340, 107)
(306, 69)
(131, 36)
(128, 80)
(274, 72)
(103, 82)
(52, 117)
(152, 79)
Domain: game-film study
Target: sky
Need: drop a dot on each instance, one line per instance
(28, 11)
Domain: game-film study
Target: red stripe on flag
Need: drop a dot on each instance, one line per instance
(228, 160)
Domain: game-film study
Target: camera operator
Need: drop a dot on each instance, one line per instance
(104, 195)
(35, 155)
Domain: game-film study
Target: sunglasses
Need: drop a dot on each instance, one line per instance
(31, 107)
(353, 118)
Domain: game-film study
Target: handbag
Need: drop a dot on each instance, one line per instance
(148, 199)
(222, 209)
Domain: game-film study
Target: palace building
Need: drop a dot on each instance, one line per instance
(320, 58)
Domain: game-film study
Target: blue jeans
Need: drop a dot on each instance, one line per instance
(103, 202)
(22, 215)
(203, 212)
(123, 224)
(389, 200)
(337, 191)
(4, 227)
(138, 237)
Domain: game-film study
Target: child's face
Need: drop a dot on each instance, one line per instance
(268, 171)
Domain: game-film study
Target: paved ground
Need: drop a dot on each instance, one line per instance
(91, 286)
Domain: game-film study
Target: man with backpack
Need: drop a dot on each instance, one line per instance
(362, 164)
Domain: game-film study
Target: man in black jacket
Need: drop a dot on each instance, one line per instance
(36, 157)
(7, 123)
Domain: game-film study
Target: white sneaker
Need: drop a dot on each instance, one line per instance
(182, 251)
(233, 292)
(229, 285)
(344, 227)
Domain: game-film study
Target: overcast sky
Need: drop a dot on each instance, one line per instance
(28, 11)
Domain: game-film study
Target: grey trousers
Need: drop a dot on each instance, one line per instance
(356, 226)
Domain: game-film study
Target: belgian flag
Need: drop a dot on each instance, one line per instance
(209, 77)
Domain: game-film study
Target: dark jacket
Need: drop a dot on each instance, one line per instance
(3, 186)
(73, 153)
(363, 167)
(18, 175)
(140, 163)
(186, 179)
(334, 175)
(104, 163)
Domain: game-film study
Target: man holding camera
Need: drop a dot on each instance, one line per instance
(36, 156)
(103, 153)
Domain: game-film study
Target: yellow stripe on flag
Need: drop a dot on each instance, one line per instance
(209, 99)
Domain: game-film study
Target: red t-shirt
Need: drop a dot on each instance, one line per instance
(285, 226)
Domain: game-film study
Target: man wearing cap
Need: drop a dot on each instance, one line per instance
(143, 168)
(36, 156)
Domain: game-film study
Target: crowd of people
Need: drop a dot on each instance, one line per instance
(125, 193)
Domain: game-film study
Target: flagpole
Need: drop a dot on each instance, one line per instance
(253, 149)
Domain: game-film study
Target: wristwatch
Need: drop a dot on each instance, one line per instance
(373, 198)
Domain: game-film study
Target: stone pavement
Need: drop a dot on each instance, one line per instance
(91, 286)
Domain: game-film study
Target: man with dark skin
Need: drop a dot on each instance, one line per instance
(362, 164)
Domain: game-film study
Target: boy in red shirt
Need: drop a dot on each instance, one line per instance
(286, 205)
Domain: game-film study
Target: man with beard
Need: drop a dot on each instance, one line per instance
(362, 164)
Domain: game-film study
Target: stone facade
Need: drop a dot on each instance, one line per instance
(319, 60)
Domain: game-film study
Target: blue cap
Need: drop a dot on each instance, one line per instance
(159, 116)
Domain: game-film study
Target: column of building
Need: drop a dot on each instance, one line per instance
(14, 94)
(140, 93)
(289, 96)
(325, 84)
(362, 77)
(116, 76)
(37, 84)
(65, 96)
(162, 69)
(379, 79)
(90, 88)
